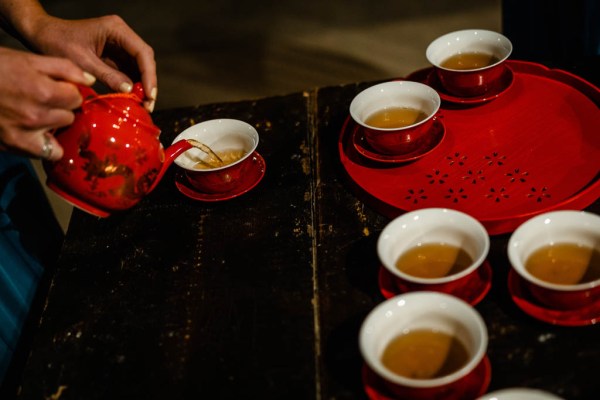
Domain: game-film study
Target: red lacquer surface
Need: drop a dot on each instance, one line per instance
(472, 386)
(472, 292)
(253, 176)
(534, 149)
(587, 315)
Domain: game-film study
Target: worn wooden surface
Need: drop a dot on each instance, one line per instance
(261, 296)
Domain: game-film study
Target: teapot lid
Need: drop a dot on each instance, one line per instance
(127, 103)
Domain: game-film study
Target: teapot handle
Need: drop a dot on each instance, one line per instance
(87, 92)
(138, 91)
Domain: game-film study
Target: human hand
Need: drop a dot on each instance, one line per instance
(37, 95)
(106, 47)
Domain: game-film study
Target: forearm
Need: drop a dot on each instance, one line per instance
(21, 17)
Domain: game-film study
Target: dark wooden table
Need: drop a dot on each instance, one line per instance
(258, 297)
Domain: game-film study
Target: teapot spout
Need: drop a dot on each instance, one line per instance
(171, 153)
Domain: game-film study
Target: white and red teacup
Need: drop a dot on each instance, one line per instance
(397, 116)
(435, 249)
(423, 328)
(469, 62)
(232, 140)
(557, 255)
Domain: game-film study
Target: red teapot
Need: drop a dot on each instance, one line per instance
(112, 153)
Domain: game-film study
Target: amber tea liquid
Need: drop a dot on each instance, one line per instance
(425, 354)
(433, 260)
(395, 117)
(227, 156)
(565, 264)
(465, 61)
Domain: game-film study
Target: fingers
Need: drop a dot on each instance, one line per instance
(147, 65)
(52, 85)
(56, 118)
(151, 102)
(51, 150)
(37, 95)
(143, 54)
(106, 72)
(48, 105)
(128, 41)
(37, 144)
(58, 96)
(63, 69)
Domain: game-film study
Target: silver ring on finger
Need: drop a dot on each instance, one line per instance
(47, 147)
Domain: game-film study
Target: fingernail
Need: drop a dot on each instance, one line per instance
(89, 78)
(125, 87)
(153, 94)
(151, 105)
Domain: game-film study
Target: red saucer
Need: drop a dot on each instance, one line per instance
(362, 146)
(588, 315)
(476, 384)
(472, 294)
(532, 150)
(429, 77)
(251, 179)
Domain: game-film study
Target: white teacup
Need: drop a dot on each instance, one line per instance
(434, 226)
(577, 228)
(473, 81)
(423, 311)
(222, 136)
(387, 97)
(519, 394)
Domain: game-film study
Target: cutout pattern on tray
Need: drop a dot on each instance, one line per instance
(534, 149)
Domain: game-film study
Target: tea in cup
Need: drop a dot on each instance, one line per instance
(423, 345)
(434, 249)
(557, 255)
(397, 116)
(469, 62)
(220, 166)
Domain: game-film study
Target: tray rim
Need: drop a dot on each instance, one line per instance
(578, 200)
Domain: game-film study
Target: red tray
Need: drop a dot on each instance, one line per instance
(533, 149)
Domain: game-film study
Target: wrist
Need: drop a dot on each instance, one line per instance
(25, 20)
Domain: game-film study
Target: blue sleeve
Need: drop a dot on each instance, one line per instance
(30, 238)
